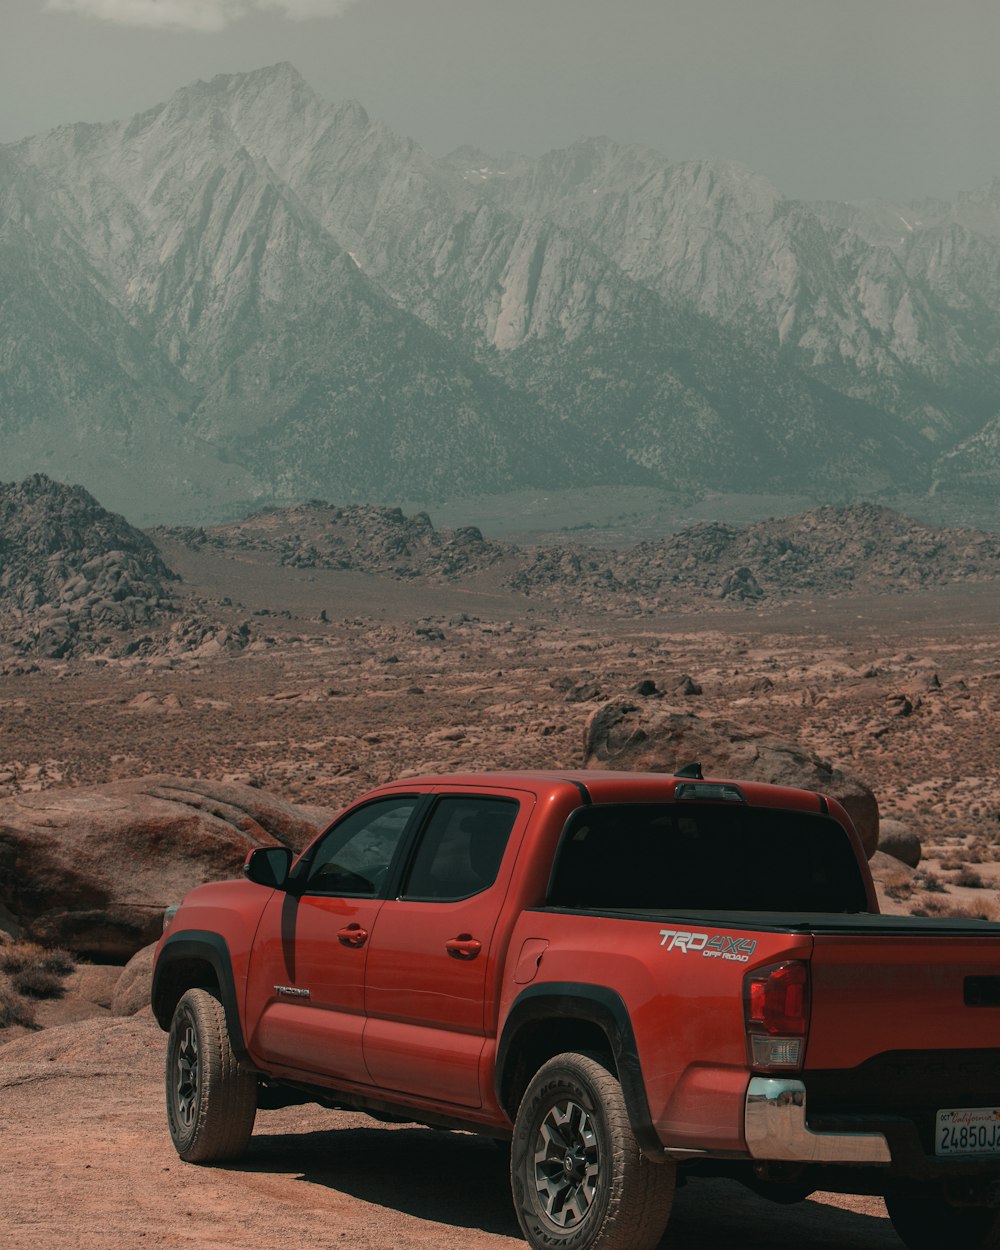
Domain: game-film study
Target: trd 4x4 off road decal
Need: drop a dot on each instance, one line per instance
(711, 946)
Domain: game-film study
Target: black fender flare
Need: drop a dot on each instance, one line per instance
(595, 1004)
(201, 946)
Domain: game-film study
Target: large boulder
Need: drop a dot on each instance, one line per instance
(661, 739)
(898, 840)
(135, 985)
(92, 868)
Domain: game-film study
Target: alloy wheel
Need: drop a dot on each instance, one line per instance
(186, 1076)
(567, 1163)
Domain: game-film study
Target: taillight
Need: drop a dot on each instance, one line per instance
(776, 1014)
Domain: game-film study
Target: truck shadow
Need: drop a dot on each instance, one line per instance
(461, 1181)
(456, 1179)
(723, 1215)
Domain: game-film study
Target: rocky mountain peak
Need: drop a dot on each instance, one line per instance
(280, 79)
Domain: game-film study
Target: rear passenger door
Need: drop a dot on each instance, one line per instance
(434, 955)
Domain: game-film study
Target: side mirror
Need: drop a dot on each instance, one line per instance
(268, 866)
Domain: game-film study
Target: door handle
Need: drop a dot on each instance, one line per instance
(353, 935)
(465, 946)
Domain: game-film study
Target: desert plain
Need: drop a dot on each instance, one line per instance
(314, 683)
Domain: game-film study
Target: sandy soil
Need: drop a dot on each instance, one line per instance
(402, 679)
(86, 1161)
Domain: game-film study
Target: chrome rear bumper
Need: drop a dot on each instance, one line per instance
(775, 1125)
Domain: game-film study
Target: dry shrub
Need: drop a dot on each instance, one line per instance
(899, 890)
(930, 882)
(23, 955)
(14, 1010)
(931, 907)
(952, 864)
(18, 956)
(969, 878)
(984, 910)
(57, 961)
(37, 983)
(34, 971)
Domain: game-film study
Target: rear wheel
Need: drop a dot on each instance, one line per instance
(927, 1222)
(578, 1177)
(211, 1097)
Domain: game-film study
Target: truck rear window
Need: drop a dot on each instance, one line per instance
(704, 856)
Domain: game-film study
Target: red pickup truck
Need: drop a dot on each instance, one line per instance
(634, 978)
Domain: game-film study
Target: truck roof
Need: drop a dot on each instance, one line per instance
(609, 786)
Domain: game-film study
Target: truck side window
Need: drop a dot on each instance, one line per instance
(461, 848)
(355, 855)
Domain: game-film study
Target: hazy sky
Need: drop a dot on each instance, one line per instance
(829, 98)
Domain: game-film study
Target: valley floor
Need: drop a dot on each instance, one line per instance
(902, 689)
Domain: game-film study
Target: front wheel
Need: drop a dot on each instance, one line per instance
(927, 1222)
(211, 1097)
(578, 1177)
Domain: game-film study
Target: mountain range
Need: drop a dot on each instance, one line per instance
(249, 293)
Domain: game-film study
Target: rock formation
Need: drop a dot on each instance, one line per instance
(898, 840)
(92, 868)
(70, 570)
(658, 738)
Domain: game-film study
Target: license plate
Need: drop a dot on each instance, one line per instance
(967, 1131)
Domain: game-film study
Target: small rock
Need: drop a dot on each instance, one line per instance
(687, 687)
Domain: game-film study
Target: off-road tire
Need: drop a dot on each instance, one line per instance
(927, 1222)
(211, 1097)
(578, 1177)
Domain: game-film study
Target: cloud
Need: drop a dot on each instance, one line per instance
(206, 15)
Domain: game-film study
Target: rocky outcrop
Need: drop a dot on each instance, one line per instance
(92, 868)
(71, 571)
(658, 738)
(362, 538)
(825, 551)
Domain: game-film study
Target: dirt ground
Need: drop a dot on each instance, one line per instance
(904, 690)
(86, 1162)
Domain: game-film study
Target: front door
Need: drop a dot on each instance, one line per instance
(305, 998)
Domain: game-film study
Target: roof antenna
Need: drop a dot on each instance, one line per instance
(691, 770)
